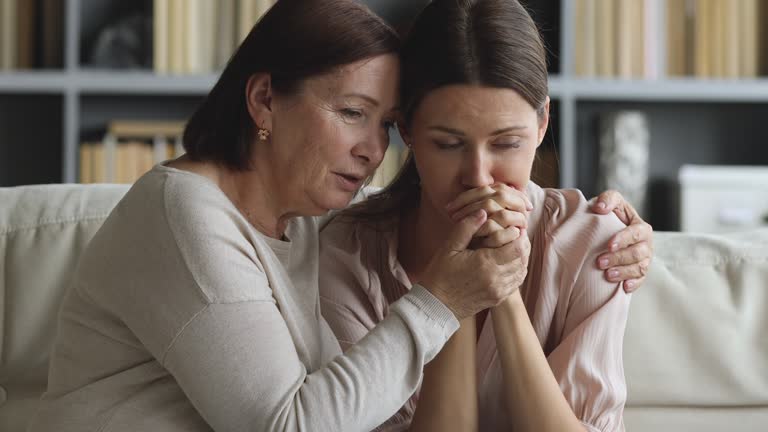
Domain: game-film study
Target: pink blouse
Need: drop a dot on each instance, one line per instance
(578, 316)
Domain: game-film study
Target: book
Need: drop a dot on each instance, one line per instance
(86, 163)
(226, 32)
(245, 13)
(702, 45)
(585, 43)
(605, 38)
(194, 36)
(147, 129)
(8, 34)
(624, 43)
(25, 50)
(53, 33)
(731, 44)
(161, 35)
(677, 38)
(176, 28)
(717, 37)
(748, 38)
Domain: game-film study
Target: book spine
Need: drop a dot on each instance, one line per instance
(161, 34)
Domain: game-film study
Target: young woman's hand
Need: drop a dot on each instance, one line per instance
(507, 210)
(631, 249)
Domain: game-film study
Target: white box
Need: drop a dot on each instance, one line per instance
(719, 199)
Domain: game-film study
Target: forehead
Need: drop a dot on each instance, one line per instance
(462, 102)
(377, 77)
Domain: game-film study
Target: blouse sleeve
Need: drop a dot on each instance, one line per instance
(584, 345)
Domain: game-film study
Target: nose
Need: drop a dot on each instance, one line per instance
(476, 169)
(371, 150)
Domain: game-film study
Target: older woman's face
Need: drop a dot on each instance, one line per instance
(333, 135)
(465, 137)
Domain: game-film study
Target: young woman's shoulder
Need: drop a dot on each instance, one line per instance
(571, 225)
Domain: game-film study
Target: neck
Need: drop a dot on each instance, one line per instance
(258, 198)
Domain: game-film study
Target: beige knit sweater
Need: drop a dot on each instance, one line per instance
(182, 317)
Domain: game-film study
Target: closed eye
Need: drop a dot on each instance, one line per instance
(351, 113)
(504, 146)
(448, 145)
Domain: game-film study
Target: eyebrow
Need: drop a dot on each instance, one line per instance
(371, 100)
(460, 133)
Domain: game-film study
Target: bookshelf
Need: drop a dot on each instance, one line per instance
(692, 120)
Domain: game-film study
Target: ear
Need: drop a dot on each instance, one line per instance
(543, 122)
(258, 94)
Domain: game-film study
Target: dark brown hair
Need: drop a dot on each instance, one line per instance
(491, 43)
(293, 41)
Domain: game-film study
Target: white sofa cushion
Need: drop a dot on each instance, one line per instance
(43, 230)
(696, 335)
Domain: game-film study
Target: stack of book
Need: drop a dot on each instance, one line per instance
(199, 36)
(30, 34)
(129, 149)
(722, 36)
(655, 38)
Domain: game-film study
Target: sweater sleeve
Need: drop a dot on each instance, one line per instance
(235, 357)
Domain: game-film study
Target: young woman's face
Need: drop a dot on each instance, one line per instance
(333, 135)
(464, 137)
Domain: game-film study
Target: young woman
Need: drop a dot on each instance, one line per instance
(475, 110)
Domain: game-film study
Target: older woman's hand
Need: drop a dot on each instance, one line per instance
(468, 281)
(630, 250)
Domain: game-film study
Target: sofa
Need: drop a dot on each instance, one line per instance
(696, 344)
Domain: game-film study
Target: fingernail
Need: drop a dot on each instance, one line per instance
(629, 284)
(613, 274)
(604, 263)
(601, 205)
(614, 247)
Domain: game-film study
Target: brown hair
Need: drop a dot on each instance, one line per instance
(293, 41)
(493, 43)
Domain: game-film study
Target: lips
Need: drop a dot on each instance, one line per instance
(349, 182)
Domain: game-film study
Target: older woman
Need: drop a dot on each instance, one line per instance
(196, 307)
(475, 110)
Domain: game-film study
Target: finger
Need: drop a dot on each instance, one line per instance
(505, 195)
(627, 214)
(462, 232)
(512, 198)
(469, 197)
(489, 205)
(520, 248)
(632, 285)
(507, 218)
(634, 254)
(500, 238)
(627, 272)
(631, 235)
(489, 227)
(607, 201)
